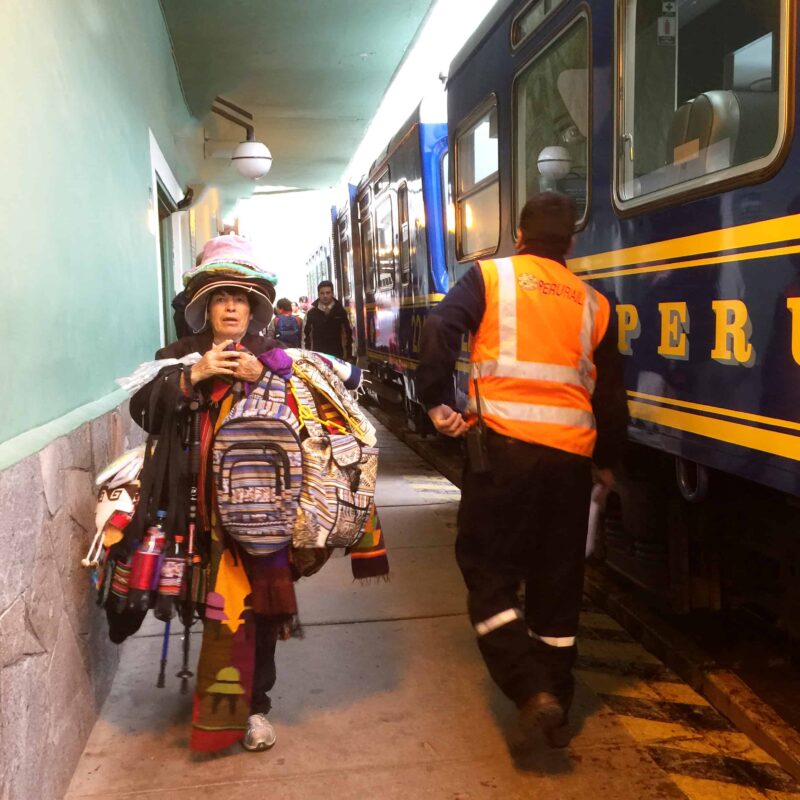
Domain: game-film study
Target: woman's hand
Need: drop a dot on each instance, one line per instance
(217, 361)
(249, 368)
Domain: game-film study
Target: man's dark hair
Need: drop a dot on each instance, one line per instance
(284, 304)
(325, 285)
(547, 221)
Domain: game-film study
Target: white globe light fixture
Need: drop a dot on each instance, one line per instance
(252, 159)
(554, 162)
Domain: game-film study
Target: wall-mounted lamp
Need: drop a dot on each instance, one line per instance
(252, 159)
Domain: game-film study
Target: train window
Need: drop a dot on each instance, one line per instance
(449, 213)
(531, 18)
(551, 101)
(346, 257)
(477, 186)
(384, 240)
(368, 255)
(703, 92)
(405, 235)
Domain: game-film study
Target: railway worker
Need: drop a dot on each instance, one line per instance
(327, 328)
(547, 382)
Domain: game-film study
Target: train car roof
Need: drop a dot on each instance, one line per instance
(490, 22)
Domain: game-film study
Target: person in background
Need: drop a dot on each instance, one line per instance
(303, 305)
(326, 328)
(546, 402)
(285, 326)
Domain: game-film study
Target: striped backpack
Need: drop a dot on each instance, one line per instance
(257, 464)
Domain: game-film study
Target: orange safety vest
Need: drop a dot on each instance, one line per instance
(532, 355)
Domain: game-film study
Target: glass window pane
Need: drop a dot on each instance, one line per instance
(532, 18)
(344, 251)
(384, 234)
(477, 152)
(552, 105)
(405, 235)
(368, 256)
(700, 90)
(480, 224)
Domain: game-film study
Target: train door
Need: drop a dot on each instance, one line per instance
(404, 243)
(385, 291)
(368, 271)
(344, 249)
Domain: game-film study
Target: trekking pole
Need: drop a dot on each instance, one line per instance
(188, 612)
(164, 650)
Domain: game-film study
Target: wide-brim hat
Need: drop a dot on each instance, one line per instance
(196, 311)
(229, 262)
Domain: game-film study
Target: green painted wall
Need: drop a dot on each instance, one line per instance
(82, 81)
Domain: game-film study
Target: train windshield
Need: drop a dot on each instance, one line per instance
(551, 99)
(701, 85)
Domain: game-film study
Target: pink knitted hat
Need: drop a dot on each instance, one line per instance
(230, 254)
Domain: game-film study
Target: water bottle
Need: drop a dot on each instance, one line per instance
(170, 582)
(145, 567)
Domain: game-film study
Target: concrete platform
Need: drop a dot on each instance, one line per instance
(386, 697)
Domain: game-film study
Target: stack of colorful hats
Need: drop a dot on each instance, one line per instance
(229, 261)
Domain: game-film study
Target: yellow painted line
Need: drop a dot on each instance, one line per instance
(781, 229)
(703, 262)
(623, 652)
(618, 685)
(700, 789)
(650, 731)
(592, 619)
(422, 302)
(726, 412)
(677, 693)
(779, 444)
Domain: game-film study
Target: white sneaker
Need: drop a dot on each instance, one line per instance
(260, 733)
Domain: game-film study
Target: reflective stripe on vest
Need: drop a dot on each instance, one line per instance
(529, 412)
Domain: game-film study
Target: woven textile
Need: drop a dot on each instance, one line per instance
(257, 465)
(339, 475)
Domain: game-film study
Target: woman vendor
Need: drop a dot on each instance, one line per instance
(251, 601)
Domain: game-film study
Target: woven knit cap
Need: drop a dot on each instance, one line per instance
(232, 255)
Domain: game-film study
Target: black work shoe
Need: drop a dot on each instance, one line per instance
(560, 736)
(541, 712)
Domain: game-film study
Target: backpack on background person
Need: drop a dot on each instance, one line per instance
(288, 330)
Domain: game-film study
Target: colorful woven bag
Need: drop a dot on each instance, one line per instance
(339, 474)
(257, 465)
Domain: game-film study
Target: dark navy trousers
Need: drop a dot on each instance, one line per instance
(523, 523)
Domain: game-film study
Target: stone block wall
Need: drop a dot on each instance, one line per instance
(56, 662)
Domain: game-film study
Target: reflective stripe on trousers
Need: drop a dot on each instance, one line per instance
(497, 621)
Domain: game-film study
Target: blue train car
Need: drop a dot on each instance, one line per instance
(671, 124)
(399, 214)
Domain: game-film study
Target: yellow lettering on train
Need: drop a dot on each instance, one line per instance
(674, 330)
(628, 327)
(732, 336)
(793, 304)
